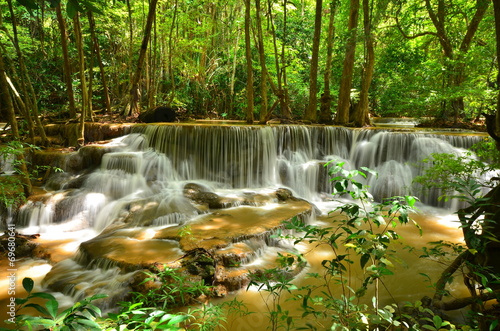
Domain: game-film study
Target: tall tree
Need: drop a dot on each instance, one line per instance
(263, 67)
(133, 108)
(97, 50)
(454, 43)
(248, 57)
(281, 89)
(496, 10)
(66, 62)
(360, 115)
(8, 107)
(30, 98)
(311, 111)
(342, 116)
(325, 115)
(86, 107)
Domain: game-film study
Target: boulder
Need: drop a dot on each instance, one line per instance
(159, 114)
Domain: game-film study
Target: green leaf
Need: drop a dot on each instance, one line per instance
(29, 4)
(39, 308)
(176, 319)
(92, 7)
(54, 3)
(28, 284)
(90, 323)
(21, 301)
(364, 259)
(438, 321)
(72, 7)
(410, 200)
(42, 295)
(52, 307)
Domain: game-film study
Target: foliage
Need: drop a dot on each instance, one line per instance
(133, 316)
(170, 288)
(82, 315)
(194, 57)
(11, 187)
(362, 238)
(469, 178)
(463, 173)
(11, 193)
(275, 282)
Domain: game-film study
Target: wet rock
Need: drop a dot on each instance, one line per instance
(25, 246)
(284, 194)
(66, 134)
(200, 262)
(201, 196)
(158, 115)
(233, 280)
(235, 255)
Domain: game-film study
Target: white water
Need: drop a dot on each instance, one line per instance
(151, 166)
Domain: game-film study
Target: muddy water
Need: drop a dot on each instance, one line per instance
(406, 285)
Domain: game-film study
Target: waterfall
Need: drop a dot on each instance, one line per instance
(140, 181)
(155, 161)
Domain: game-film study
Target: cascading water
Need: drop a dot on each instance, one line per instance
(142, 180)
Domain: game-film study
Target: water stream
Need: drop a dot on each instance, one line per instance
(100, 223)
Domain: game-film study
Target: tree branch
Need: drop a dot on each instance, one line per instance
(463, 302)
(446, 274)
(398, 25)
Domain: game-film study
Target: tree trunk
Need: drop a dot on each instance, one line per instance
(248, 56)
(311, 111)
(30, 99)
(285, 105)
(348, 67)
(66, 64)
(134, 106)
(171, 55)
(456, 70)
(361, 117)
(263, 114)
(8, 107)
(17, 98)
(496, 9)
(325, 115)
(97, 50)
(85, 109)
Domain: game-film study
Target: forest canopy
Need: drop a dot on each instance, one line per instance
(320, 61)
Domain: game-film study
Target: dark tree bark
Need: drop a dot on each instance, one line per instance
(311, 111)
(8, 107)
(97, 51)
(325, 116)
(66, 64)
(263, 114)
(248, 57)
(360, 115)
(133, 107)
(348, 67)
(86, 105)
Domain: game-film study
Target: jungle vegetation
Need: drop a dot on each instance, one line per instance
(317, 61)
